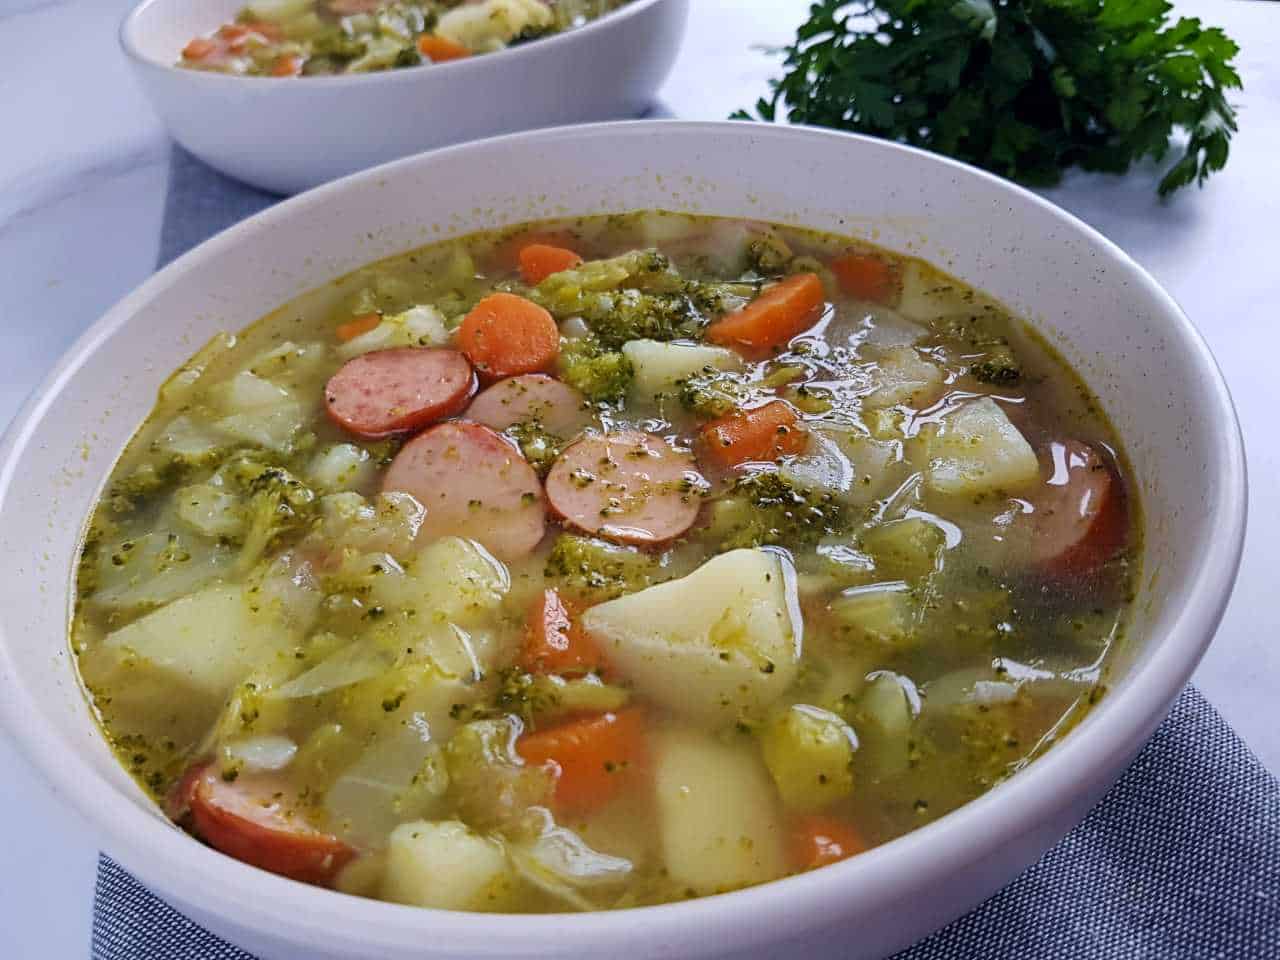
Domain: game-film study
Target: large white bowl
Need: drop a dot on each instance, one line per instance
(288, 135)
(1151, 369)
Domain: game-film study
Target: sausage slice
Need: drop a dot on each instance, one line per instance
(1080, 519)
(473, 484)
(631, 487)
(533, 396)
(248, 820)
(399, 390)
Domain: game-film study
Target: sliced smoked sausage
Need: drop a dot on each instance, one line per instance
(248, 819)
(1080, 519)
(630, 486)
(473, 484)
(533, 396)
(398, 391)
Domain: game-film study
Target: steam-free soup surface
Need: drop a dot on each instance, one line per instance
(603, 563)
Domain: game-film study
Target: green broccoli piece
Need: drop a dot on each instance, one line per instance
(600, 375)
(539, 446)
(278, 505)
(714, 393)
(333, 43)
(594, 570)
(769, 255)
(767, 508)
(999, 367)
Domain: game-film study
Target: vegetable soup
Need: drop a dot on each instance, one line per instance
(601, 563)
(290, 38)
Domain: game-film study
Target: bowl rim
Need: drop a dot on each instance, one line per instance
(127, 36)
(251, 899)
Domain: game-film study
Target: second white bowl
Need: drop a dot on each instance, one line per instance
(286, 135)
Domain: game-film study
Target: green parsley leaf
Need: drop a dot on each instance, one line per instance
(1024, 88)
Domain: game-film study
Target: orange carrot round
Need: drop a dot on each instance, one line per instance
(199, 48)
(505, 335)
(592, 758)
(768, 322)
(553, 641)
(357, 326)
(540, 260)
(763, 434)
(439, 49)
(819, 839)
(866, 276)
(289, 65)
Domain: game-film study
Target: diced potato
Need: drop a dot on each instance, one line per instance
(459, 581)
(905, 549)
(809, 753)
(420, 326)
(492, 24)
(209, 640)
(884, 713)
(390, 522)
(717, 815)
(445, 866)
(879, 613)
(976, 450)
(926, 293)
(660, 366)
(209, 511)
(343, 466)
(188, 441)
(716, 644)
(903, 376)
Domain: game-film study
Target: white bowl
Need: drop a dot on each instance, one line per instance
(1152, 371)
(288, 135)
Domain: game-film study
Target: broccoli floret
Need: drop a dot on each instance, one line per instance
(769, 255)
(539, 446)
(278, 504)
(999, 366)
(767, 508)
(334, 43)
(600, 375)
(594, 570)
(714, 393)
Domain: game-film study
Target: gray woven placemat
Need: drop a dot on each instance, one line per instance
(1180, 861)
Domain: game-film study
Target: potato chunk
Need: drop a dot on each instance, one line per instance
(210, 639)
(660, 366)
(977, 450)
(809, 753)
(717, 644)
(717, 813)
(445, 866)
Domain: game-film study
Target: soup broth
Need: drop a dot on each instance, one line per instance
(601, 563)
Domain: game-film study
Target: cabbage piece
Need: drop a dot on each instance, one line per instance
(420, 326)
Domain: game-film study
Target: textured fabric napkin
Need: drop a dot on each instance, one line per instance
(1180, 861)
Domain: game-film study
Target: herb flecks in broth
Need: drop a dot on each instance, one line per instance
(602, 563)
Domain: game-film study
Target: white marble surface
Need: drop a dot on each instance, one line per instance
(82, 181)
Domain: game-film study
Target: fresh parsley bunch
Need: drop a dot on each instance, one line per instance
(1024, 88)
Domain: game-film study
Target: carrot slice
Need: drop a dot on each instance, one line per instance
(768, 322)
(553, 641)
(763, 434)
(506, 255)
(505, 335)
(199, 49)
(818, 839)
(865, 276)
(357, 326)
(439, 49)
(592, 758)
(540, 260)
(290, 65)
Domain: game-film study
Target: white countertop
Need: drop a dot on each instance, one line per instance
(83, 174)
